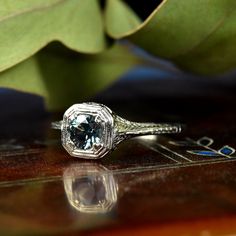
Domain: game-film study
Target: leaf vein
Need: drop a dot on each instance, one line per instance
(30, 10)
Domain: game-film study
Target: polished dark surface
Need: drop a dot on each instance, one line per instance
(166, 185)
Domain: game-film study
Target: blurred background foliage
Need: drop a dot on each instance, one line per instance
(68, 50)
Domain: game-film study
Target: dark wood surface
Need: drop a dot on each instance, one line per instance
(160, 185)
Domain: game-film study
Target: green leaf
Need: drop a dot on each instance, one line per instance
(197, 35)
(120, 19)
(64, 77)
(27, 26)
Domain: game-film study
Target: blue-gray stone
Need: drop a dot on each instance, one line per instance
(84, 131)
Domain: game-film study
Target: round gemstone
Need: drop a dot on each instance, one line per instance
(85, 131)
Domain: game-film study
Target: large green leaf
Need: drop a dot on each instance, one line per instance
(64, 77)
(27, 26)
(120, 19)
(197, 35)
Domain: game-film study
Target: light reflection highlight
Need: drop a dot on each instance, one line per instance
(90, 188)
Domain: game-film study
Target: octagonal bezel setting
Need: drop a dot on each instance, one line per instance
(103, 115)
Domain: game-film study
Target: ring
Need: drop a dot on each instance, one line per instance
(91, 130)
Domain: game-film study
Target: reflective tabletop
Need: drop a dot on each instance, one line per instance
(154, 185)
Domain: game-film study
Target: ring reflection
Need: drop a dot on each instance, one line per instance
(90, 188)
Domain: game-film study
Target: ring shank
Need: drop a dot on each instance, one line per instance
(125, 129)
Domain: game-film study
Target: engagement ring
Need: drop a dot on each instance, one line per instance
(91, 130)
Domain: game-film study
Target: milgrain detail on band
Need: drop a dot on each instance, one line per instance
(136, 128)
(125, 129)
